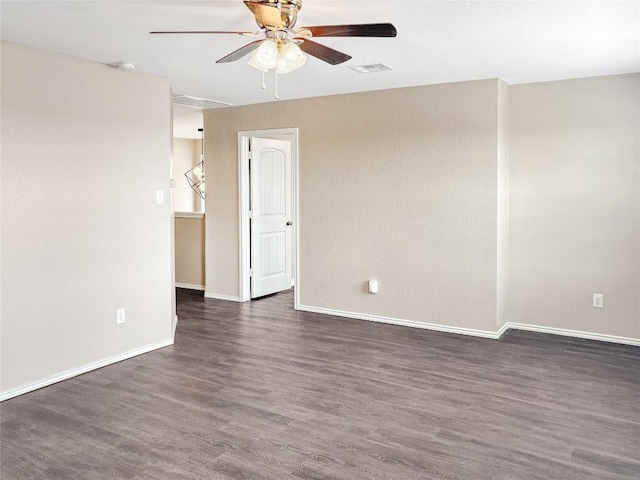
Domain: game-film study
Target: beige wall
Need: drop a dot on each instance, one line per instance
(186, 154)
(84, 149)
(502, 186)
(396, 185)
(475, 205)
(575, 204)
(189, 244)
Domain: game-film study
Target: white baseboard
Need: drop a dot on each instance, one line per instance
(358, 316)
(473, 332)
(229, 298)
(402, 322)
(74, 372)
(573, 333)
(502, 330)
(190, 286)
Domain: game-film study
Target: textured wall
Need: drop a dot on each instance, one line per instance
(502, 245)
(575, 204)
(84, 149)
(186, 154)
(189, 244)
(396, 185)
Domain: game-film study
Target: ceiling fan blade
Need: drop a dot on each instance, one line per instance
(267, 15)
(358, 30)
(241, 52)
(326, 54)
(207, 32)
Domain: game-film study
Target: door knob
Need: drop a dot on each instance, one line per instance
(289, 223)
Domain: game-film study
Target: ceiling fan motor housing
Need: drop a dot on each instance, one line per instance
(288, 12)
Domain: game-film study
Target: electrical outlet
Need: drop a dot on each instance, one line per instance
(159, 197)
(120, 315)
(598, 300)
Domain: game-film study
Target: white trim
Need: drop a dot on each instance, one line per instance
(228, 298)
(295, 281)
(244, 287)
(574, 333)
(470, 331)
(502, 330)
(401, 322)
(188, 214)
(74, 372)
(174, 326)
(190, 286)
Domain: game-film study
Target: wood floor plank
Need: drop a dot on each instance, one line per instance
(260, 391)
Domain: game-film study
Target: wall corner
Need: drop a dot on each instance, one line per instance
(502, 234)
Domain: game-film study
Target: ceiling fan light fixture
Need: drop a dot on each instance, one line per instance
(266, 56)
(255, 65)
(290, 58)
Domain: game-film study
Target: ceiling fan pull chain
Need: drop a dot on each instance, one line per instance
(276, 96)
(264, 85)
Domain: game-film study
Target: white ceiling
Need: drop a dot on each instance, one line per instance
(446, 41)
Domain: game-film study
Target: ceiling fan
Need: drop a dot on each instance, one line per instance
(282, 46)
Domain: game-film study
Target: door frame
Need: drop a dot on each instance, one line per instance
(244, 233)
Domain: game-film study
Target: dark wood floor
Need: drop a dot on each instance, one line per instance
(259, 391)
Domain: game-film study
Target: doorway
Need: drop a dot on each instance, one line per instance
(266, 264)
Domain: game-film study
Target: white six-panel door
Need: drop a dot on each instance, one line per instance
(270, 216)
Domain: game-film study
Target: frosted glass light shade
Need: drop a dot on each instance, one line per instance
(290, 58)
(265, 57)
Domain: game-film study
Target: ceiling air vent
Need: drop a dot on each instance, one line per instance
(374, 68)
(199, 103)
